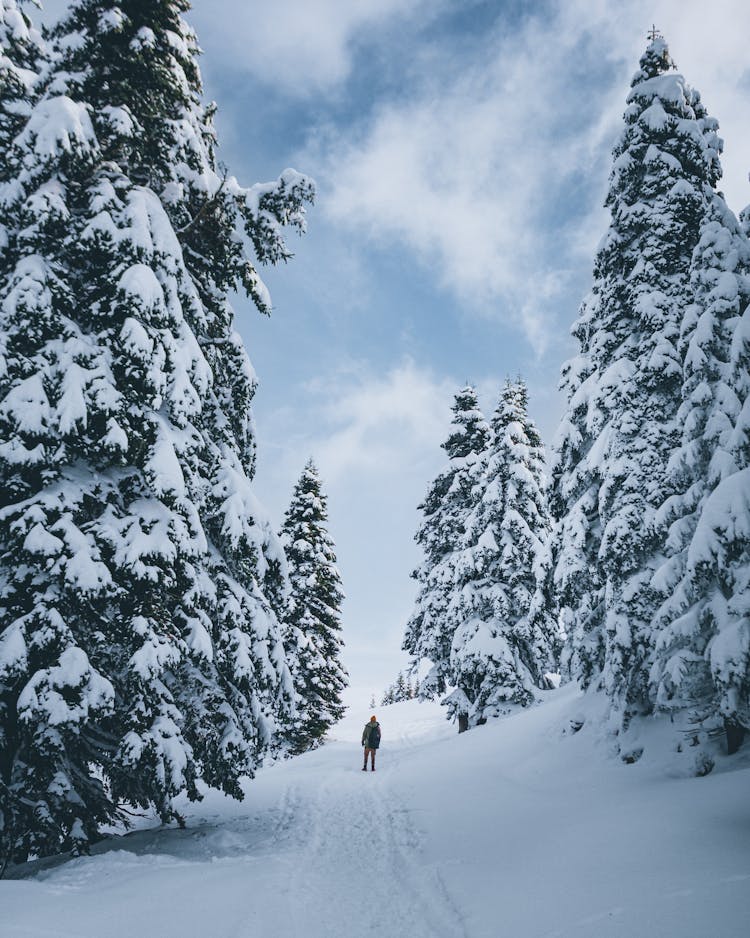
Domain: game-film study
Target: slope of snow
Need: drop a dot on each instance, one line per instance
(515, 828)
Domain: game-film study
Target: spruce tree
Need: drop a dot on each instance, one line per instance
(137, 644)
(401, 690)
(445, 512)
(312, 621)
(611, 474)
(702, 669)
(502, 611)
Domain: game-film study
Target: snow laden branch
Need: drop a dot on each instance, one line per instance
(271, 206)
(266, 209)
(255, 218)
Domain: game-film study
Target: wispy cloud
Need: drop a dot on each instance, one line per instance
(381, 425)
(492, 170)
(300, 47)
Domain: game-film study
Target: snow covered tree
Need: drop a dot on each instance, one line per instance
(402, 692)
(445, 512)
(138, 650)
(312, 621)
(702, 667)
(21, 49)
(502, 610)
(610, 476)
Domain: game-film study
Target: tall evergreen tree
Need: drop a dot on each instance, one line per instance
(502, 610)
(445, 512)
(136, 642)
(313, 617)
(615, 443)
(702, 669)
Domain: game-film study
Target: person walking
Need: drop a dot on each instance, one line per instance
(371, 741)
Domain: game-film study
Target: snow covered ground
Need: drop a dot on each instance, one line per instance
(512, 829)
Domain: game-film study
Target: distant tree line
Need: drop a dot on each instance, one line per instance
(401, 689)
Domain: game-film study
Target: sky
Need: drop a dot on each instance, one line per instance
(461, 150)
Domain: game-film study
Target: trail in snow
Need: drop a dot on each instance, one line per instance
(359, 870)
(512, 829)
(318, 848)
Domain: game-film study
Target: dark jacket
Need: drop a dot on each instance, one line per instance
(371, 735)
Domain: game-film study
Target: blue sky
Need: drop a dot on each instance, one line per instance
(461, 151)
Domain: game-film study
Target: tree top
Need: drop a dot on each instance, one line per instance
(656, 59)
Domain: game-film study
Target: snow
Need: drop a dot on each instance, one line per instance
(113, 19)
(518, 827)
(57, 124)
(13, 650)
(65, 693)
(40, 541)
(27, 405)
(163, 467)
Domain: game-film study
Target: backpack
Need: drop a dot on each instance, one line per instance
(373, 739)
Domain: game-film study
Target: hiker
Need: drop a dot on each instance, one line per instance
(371, 741)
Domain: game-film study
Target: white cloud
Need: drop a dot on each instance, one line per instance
(375, 431)
(382, 426)
(301, 47)
(493, 173)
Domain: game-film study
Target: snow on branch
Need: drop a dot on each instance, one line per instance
(271, 206)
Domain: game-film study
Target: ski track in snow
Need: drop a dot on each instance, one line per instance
(360, 871)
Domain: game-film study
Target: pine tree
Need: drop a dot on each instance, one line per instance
(313, 617)
(137, 645)
(610, 476)
(401, 691)
(445, 511)
(502, 610)
(702, 669)
(21, 52)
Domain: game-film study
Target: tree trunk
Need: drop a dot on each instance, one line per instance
(463, 722)
(735, 734)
